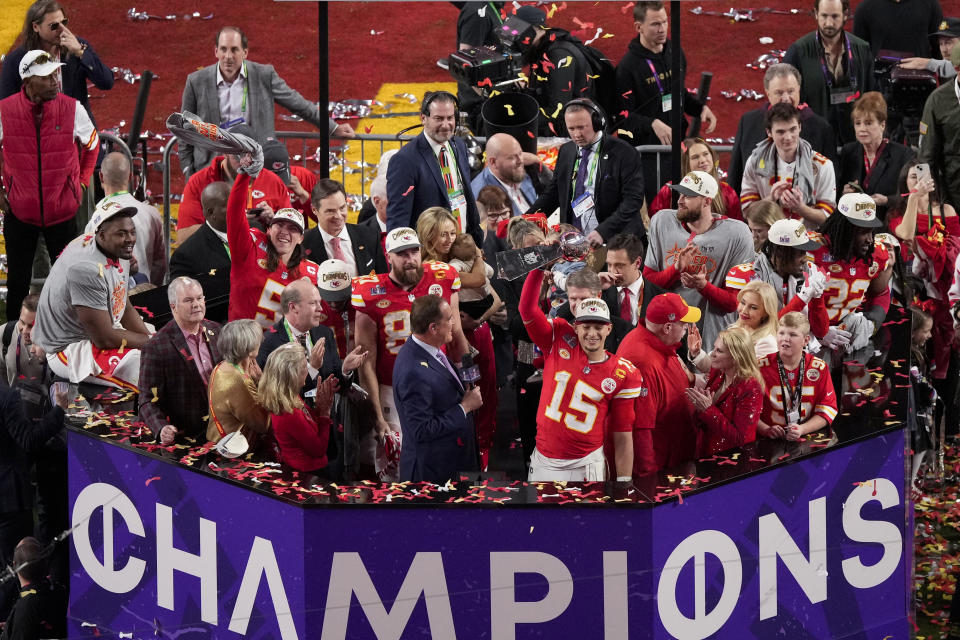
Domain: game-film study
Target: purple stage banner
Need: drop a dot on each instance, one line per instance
(811, 549)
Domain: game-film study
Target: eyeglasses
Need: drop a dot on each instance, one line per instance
(55, 26)
(501, 214)
(43, 58)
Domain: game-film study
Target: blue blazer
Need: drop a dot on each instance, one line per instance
(415, 166)
(487, 178)
(438, 440)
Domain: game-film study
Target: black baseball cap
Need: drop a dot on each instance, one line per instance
(276, 158)
(949, 27)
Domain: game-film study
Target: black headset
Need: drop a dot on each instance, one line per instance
(430, 96)
(597, 117)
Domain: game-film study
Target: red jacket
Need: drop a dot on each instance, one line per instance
(52, 194)
(665, 407)
(302, 442)
(732, 420)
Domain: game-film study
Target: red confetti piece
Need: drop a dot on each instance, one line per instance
(625, 94)
(409, 189)
(368, 129)
(626, 7)
(783, 457)
(486, 82)
(149, 480)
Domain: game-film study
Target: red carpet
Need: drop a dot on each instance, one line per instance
(407, 39)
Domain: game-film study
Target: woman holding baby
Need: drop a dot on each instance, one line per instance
(441, 242)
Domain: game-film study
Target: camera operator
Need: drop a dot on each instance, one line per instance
(559, 69)
(477, 26)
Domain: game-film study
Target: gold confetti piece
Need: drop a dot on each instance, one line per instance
(213, 272)
(123, 346)
(624, 132)
(509, 109)
(155, 398)
(566, 62)
(495, 92)
(607, 35)
(100, 269)
(531, 529)
(557, 110)
(590, 77)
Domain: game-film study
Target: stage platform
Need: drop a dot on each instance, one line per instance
(796, 540)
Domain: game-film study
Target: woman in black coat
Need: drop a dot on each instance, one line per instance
(872, 164)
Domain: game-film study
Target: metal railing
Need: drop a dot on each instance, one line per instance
(658, 149)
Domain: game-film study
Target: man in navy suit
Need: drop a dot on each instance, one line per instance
(438, 432)
(505, 170)
(432, 170)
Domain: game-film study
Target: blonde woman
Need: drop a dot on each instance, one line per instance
(757, 314)
(302, 433)
(760, 218)
(728, 408)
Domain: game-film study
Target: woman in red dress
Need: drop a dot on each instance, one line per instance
(728, 409)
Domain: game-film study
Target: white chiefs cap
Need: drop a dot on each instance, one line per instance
(401, 238)
(791, 233)
(593, 310)
(105, 210)
(333, 280)
(292, 215)
(697, 183)
(859, 209)
(37, 63)
(888, 239)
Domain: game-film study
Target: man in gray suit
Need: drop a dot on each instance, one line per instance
(236, 90)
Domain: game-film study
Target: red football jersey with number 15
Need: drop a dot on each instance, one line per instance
(389, 306)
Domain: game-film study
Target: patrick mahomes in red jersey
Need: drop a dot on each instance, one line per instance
(586, 391)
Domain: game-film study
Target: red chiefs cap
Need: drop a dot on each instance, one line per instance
(669, 307)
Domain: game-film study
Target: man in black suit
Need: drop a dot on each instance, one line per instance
(626, 291)
(781, 84)
(432, 170)
(598, 182)
(19, 438)
(175, 366)
(584, 284)
(438, 432)
(301, 308)
(355, 245)
(204, 256)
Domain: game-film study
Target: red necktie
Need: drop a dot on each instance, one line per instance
(625, 312)
(337, 251)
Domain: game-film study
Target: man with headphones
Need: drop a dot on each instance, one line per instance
(432, 170)
(598, 181)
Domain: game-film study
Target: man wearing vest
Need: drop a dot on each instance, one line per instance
(43, 175)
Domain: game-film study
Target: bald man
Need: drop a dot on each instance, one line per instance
(506, 168)
(149, 254)
(204, 254)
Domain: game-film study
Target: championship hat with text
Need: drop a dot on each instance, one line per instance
(697, 183)
(401, 238)
(593, 310)
(670, 307)
(333, 280)
(859, 209)
(791, 233)
(292, 215)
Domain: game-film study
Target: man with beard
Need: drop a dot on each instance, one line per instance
(781, 83)
(644, 81)
(858, 293)
(783, 263)
(691, 247)
(85, 322)
(383, 304)
(785, 169)
(432, 170)
(505, 169)
(836, 67)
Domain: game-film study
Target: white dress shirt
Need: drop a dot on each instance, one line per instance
(635, 287)
(345, 247)
(233, 107)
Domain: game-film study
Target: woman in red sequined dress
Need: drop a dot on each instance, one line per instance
(728, 409)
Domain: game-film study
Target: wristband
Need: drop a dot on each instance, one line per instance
(624, 478)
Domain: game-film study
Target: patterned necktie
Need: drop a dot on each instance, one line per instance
(581, 184)
(445, 170)
(625, 311)
(449, 367)
(337, 250)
